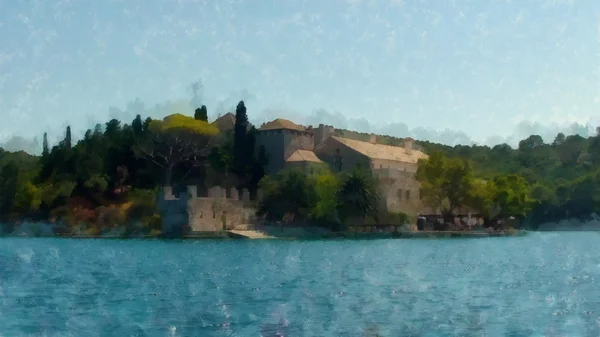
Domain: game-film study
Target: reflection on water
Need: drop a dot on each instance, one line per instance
(541, 284)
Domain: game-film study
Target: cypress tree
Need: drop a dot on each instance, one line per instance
(137, 125)
(240, 130)
(68, 142)
(45, 148)
(201, 114)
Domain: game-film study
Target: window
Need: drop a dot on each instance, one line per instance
(407, 195)
(399, 194)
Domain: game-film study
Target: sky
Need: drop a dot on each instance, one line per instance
(455, 71)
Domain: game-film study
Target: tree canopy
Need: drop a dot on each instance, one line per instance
(537, 182)
(113, 172)
(116, 168)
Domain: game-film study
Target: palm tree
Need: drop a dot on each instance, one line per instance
(358, 196)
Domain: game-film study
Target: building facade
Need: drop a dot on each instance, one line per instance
(289, 145)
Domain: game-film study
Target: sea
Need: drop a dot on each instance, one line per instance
(542, 284)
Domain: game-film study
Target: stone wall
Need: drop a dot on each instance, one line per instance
(216, 211)
(400, 190)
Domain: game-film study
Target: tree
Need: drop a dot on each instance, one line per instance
(45, 148)
(178, 139)
(138, 126)
(201, 114)
(289, 192)
(445, 183)
(560, 138)
(242, 152)
(431, 175)
(457, 184)
(68, 141)
(327, 186)
(480, 198)
(259, 167)
(512, 196)
(358, 196)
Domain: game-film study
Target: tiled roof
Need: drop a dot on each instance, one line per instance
(303, 155)
(225, 122)
(380, 151)
(280, 123)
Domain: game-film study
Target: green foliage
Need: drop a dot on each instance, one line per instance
(289, 192)
(325, 198)
(358, 195)
(96, 183)
(179, 125)
(119, 163)
(431, 176)
(27, 198)
(201, 114)
(326, 186)
(512, 196)
(143, 210)
(537, 181)
(446, 183)
(177, 141)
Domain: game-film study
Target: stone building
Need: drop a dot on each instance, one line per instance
(290, 145)
(394, 166)
(216, 211)
(282, 139)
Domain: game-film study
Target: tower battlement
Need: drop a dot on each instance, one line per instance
(215, 192)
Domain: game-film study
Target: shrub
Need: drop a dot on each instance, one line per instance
(109, 217)
(91, 231)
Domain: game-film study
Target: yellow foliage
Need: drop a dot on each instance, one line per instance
(178, 123)
(92, 231)
(27, 197)
(326, 186)
(155, 232)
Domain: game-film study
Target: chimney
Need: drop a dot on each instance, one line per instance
(408, 145)
(373, 139)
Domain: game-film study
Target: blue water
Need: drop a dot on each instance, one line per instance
(544, 284)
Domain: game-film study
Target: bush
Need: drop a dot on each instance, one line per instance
(398, 218)
(155, 232)
(108, 217)
(143, 209)
(92, 231)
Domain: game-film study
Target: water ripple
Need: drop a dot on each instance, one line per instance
(539, 285)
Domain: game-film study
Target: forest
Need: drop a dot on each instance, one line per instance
(111, 176)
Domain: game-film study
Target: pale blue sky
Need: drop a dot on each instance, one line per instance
(477, 67)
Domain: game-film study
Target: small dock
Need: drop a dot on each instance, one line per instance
(248, 234)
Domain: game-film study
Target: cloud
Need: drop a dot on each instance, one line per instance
(17, 143)
(228, 103)
(522, 130)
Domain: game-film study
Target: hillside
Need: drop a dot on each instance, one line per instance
(112, 164)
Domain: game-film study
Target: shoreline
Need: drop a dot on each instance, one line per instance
(239, 235)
